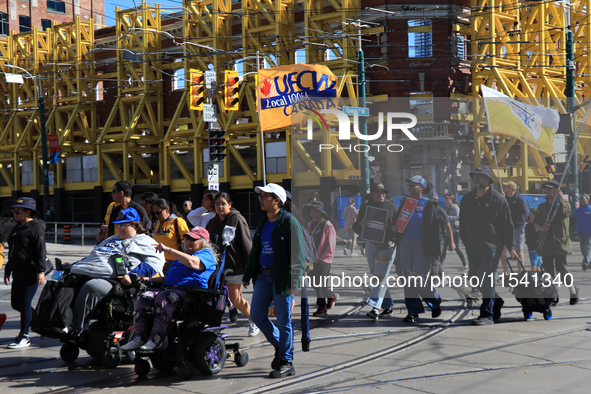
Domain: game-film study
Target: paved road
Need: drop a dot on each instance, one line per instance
(352, 353)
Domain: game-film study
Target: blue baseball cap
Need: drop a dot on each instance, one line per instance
(26, 202)
(418, 179)
(127, 215)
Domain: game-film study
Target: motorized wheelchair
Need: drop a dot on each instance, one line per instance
(110, 323)
(195, 338)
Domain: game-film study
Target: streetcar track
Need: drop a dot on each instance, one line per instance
(443, 359)
(422, 338)
(427, 332)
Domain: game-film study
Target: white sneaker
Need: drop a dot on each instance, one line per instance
(135, 343)
(19, 343)
(148, 346)
(253, 330)
(354, 254)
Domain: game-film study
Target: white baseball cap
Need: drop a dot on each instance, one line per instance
(274, 189)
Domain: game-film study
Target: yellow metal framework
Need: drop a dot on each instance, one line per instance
(520, 47)
(135, 140)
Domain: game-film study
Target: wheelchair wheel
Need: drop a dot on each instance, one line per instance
(241, 358)
(209, 354)
(69, 352)
(142, 367)
(112, 357)
(186, 370)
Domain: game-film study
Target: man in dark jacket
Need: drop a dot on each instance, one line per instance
(552, 221)
(518, 210)
(485, 228)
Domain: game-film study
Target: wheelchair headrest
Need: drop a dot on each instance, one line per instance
(215, 280)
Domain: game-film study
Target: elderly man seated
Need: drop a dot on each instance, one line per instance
(131, 250)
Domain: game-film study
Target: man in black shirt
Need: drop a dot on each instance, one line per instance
(485, 228)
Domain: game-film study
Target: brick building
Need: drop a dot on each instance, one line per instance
(18, 16)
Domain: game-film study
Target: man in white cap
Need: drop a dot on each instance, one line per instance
(275, 266)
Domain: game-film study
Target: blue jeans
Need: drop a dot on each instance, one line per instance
(586, 249)
(21, 297)
(484, 262)
(415, 261)
(380, 296)
(280, 336)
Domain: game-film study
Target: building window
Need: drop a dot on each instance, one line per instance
(3, 23)
(57, 6)
(45, 24)
(24, 23)
(421, 105)
(420, 42)
(461, 47)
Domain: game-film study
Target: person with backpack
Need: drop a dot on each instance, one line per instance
(275, 266)
(325, 237)
(169, 229)
(228, 217)
(379, 253)
(26, 264)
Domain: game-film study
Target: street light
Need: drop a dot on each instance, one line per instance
(44, 153)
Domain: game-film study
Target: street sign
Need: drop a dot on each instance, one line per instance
(210, 113)
(210, 79)
(213, 178)
(360, 111)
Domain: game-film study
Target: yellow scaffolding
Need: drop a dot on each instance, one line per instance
(520, 47)
(135, 140)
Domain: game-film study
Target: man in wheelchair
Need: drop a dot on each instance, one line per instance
(190, 269)
(129, 251)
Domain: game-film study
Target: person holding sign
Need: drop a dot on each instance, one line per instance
(373, 224)
(418, 222)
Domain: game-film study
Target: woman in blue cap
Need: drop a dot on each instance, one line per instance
(419, 245)
(26, 263)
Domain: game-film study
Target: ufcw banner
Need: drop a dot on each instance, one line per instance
(285, 92)
(531, 124)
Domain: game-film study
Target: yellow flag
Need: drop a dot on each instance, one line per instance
(531, 124)
(285, 92)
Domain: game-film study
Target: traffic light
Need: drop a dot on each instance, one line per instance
(231, 89)
(550, 165)
(217, 145)
(197, 90)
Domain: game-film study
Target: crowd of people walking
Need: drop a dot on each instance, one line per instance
(175, 248)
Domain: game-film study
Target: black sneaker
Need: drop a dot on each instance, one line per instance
(411, 318)
(387, 312)
(20, 342)
(584, 266)
(482, 321)
(233, 314)
(436, 312)
(574, 298)
(285, 369)
(499, 302)
(555, 301)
